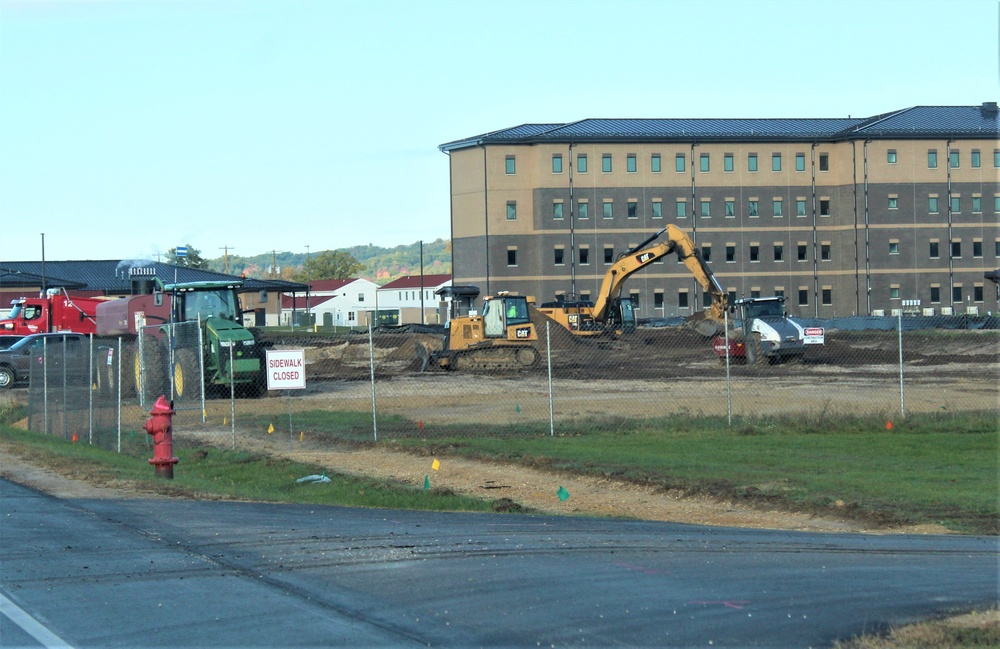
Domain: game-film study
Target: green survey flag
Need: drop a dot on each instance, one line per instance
(562, 493)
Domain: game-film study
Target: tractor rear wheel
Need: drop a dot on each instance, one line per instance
(755, 355)
(186, 375)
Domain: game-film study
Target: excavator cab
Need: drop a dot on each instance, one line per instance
(621, 316)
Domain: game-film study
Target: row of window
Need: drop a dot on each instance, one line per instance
(958, 296)
(753, 207)
(729, 161)
(777, 252)
(954, 158)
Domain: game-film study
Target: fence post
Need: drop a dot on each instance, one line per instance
(371, 369)
(201, 370)
(729, 382)
(90, 390)
(899, 321)
(548, 362)
(232, 395)
(45, 385)
(118, 383)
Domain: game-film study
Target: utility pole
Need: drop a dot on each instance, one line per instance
(226, 249)
(274, 263)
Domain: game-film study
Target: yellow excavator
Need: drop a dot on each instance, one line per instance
(613, 314)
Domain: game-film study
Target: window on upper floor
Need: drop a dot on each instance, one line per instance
(932, 204)
(584, 256)
(727, 163)
(975, 159)
(557, 163)
(730, 253)
(956, 249)
(932, 159)
(704, 162)
(779, 251)
(893, 203)
(632, 209)
(890, 156)
(752, 209)
(706, 207)
(511, 210)
(583, 211)
(706, 252)
(955, 204)
(512, 256)
(752, 162)
(977, 205)
(893, 247)
(510, 165)
(977, 248)
(802, 252)
(606, 163)
(558, 256)
(681, 209)
(609, 210)
(609, 255)
(776, 207)
(730, 208)
(824, 162)
(657, 209)
(630, 163)
(754, 252)
(800, 207)
(824, 251)
(775, 162)
(953, 159)
(803, 296)
(581, 163)
(654, 163)
(557, 211)
(679, 162)
(934, 250)
(824, 207)
(800, 162)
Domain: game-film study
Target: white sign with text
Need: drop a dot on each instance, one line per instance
(286, 369)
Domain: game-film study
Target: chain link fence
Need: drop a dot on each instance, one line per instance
(368, 386)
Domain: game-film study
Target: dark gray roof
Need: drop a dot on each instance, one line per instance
(917, 123)
(112, 276)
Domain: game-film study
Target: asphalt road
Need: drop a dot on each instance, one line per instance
(172, 573)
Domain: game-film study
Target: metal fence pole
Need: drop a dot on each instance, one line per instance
(232, 396)
(201, 370)
(902, 401)
(371, 368)
(548, 361)
(729, 380)
(45, 386)
(90, 389)
(119, 399)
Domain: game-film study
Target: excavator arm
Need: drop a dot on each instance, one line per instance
(640, 256)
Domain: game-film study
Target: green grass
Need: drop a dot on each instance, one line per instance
(940, 468)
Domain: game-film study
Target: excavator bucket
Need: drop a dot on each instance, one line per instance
(705, 325)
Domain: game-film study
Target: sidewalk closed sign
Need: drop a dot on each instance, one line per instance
(286, 369)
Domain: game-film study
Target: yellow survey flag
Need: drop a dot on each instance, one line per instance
(270, 428)
(435, 464)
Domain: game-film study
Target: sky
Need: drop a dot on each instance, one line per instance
(128, 128)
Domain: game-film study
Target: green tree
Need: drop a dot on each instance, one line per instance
(192, 260)
(329, 264)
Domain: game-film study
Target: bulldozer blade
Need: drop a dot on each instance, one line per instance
(705, 325)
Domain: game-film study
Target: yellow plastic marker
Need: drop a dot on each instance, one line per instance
(270, 428)
(435, 464)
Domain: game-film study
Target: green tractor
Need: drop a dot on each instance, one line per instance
(208, 314)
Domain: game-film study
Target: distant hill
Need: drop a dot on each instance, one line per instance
(382, 265)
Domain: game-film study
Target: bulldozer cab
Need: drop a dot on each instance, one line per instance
(503, 311)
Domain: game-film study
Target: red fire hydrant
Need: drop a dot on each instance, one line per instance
(161, 428)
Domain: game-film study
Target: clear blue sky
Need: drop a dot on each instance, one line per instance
(128, 128)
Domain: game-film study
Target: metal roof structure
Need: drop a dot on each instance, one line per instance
(112, 277)
(919, 122)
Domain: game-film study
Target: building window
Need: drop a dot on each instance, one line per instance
(512, 256)
(802, 252)
(706, 207)
(606, 163)
(976, 159)
(730, 208)
(803, 296)
(893, 292)
(752, 209)
(682, 299)
(956, 294)
(581, 163)
(584, 256)
(778, 292)
(824, 162)
(679, 162)
(935, 250)
(634, 297)
(800, 162)
(977, 248)
(584, 210)
(932, 159)
(658, 299)
(953, 159)
(996, 203)
(776, 207)
(996, 158)
(779, 252)
(956, 249)
(893, 203)
(977, 293)
(657, 209)
(654, 163)
(585, 296)
(609, 210)
(609, 255)
(557, 211)
(827, 296)
(755, 293)
(632, 209)
(893, 247)
(727, 163)
(511, 210)
(752, 162)
(932, 204)
(557, 163)
(510, 165)
(630, 165)
(824, 252)
(935, 294)
(681, 209)
(890, 156)
(558, 256)
(754, 252)
(704, 163)
(730, 253)
(824, 207)
(706, 252)
(775, 162)
(977, 205)
(800, 207)
(956, 204)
